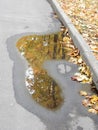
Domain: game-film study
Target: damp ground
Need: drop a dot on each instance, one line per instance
(71, 109)
(38, 51)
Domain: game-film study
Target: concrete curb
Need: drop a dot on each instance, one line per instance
(79, 42)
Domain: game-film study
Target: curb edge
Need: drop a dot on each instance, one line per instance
(79, 41)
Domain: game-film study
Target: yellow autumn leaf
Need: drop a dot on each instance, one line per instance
(83, 93)
(85, 102)
(66, 39)
(94, 99)
(91, 110)
(96, 107)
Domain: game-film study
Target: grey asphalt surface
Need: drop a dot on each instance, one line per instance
(17, 109)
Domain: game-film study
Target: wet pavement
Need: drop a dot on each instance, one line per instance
(17, 109)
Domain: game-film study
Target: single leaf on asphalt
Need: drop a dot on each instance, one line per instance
(91, 110)
(83, 93)
(85, 102)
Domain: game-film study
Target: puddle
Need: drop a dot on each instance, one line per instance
(38, 49)
(60, 71)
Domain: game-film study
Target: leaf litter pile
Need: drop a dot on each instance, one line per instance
(90, 101)
(83, 76)
(84, 15)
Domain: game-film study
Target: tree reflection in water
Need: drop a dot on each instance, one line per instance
(37, 49)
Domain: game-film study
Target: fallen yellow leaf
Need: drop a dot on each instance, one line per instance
(83, 93)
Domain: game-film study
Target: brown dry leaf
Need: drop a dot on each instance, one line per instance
(55, 15)
(78, 77)
(85, 102)
(80, 60)
(83, 93)
(62, 28)
(90, 101)
(91, 110)
(96, 107)
(96, 35)
(94, 99)
(81, 77)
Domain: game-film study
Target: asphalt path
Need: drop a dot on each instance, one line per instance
(17, 109)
